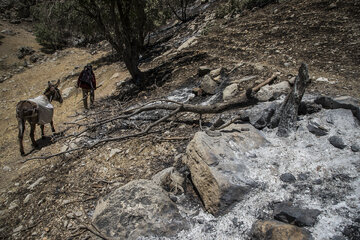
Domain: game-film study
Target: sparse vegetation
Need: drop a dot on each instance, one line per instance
(237, 6)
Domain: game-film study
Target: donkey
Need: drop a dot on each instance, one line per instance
(33, 112)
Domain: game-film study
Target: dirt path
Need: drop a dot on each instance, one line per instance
(31, 83)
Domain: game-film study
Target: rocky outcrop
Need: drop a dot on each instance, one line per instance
(274, 230)
(218, 164)
(139, 208)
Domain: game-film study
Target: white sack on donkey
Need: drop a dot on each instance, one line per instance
(38, 110)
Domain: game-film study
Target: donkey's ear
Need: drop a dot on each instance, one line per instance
(57, 83)
(49, 83)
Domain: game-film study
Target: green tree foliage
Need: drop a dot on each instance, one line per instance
(124, 23)
(179, 8)
(57, 23)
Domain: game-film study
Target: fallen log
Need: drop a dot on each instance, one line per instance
(243, 100)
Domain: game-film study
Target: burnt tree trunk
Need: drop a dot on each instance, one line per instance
(286, 115)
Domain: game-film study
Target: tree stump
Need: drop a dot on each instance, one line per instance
(286, 115)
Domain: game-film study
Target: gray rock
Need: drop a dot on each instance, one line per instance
(208, 85)
(345, 102)
(27, 198)
(67, 91)
(37, 182)
(216, 72)
(139, 208)
(315, 128)
(355, 148)
(218, 165)
(230, 92)
(303, 176)
(288, 178)
(337, 142)
(300, 217)
(260, 115)
(203, 70)
(8, 32)
(270, 92)
(309, 108)
(343, 119)
(190, 42)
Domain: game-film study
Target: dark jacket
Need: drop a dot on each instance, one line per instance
(85, 85)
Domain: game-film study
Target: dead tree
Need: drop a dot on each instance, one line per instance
(286, 115)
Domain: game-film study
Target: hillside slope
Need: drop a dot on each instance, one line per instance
(277, 38)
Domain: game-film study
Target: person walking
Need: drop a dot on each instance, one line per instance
(87, 83)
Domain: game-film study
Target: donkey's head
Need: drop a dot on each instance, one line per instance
(53, 93)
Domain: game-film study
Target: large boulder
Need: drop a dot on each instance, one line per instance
(274, 230)
(139, 208)
(218, 165)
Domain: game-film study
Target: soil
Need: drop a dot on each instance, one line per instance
(277, 38)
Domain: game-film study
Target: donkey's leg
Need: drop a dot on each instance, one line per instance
(32, 134)
(21, 126)
(42, 131)
(52, 127)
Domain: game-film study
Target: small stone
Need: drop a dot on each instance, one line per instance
(27, 198)
(332, 5)
(303, 176)
(355, 148)
(287, 64)
(337, 142)
(203, 70)
(197, 91)
(288, 178)
(315, 128)
(173, 198)
(216, 72)
(78, 213)
(32, 186)
(13, 205)
(113, 152)
(18, 229)
(70, 215)
(208, 85)
(317, 182)
(46, 229)
(300, 217)
(7, 168)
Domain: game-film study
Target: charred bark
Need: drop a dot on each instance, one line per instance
(286, 115)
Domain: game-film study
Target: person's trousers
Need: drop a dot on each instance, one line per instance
(85, 97)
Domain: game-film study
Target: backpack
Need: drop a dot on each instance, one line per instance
(87, 77)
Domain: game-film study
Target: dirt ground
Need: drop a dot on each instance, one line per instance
(276, 38)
